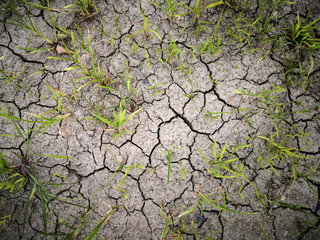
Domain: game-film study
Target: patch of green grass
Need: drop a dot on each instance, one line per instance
(149, 33)
(310, 219)
(279, 151)
(296, 45)
(172, 6)
(44, 122)
(121, 167)
(12, 180)
(197, 13)
(19, 21)
(301, 35)
(117, 122)
(16, 177)
(59, 96)
(171, 51)
(87, 7)
(227, 166)
(211, 46)
(4, 222)
(258, 27)
(310, 175)
(96, 74)
(269, 102)
(11, 77)
(177, 226)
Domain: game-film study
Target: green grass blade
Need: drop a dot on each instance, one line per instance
(94, 232)
(214, 4)
(104, 120)
(191, 209)
(31, 194)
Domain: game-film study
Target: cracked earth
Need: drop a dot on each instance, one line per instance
(185, 110)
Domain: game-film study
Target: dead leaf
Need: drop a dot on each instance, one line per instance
(61, 50)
